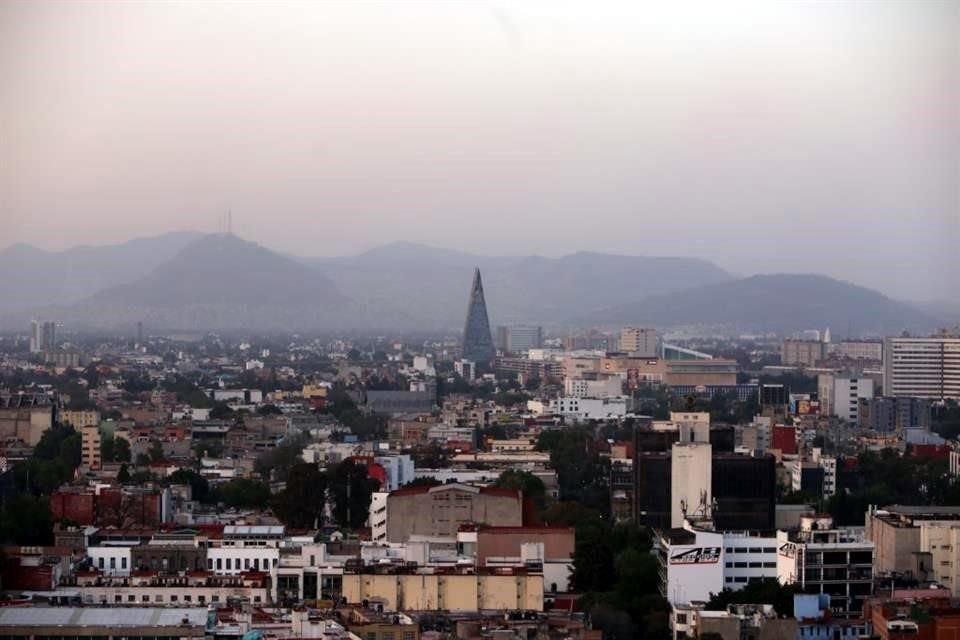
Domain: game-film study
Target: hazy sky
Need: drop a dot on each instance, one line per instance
(803, 136)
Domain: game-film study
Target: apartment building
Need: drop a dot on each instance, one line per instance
(641, 342)
(824, 559)
(922, 367)
(439, 512)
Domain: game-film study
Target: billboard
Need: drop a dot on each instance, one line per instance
(695, 555)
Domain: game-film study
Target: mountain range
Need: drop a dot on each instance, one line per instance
(190, 281)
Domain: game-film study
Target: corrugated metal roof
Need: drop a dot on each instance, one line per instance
(101, 616)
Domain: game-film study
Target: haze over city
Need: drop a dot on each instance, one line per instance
(766, 137)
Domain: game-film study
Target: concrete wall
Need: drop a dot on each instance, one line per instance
(441, 512)
(429, 592)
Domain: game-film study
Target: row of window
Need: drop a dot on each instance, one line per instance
(751, 549)
(751, 565)
(742, 579)
(202, 599)
(232, 565)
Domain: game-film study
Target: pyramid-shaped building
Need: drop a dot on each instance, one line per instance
(477, 341)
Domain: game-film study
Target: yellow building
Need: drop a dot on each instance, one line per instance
(312, 391)
(90, 447)
(509, 590)
(80, 419)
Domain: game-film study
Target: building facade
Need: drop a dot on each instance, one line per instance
(922, 367)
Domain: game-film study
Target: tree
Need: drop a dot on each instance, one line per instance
(524, 481)
(767, 591)
(121, 450)
(107, 449)
(142, 460)
(156, 451)
(26, 520)
(71, 450)
(350, 490)
(199, 487)
(276, 463)
(221, 411)
(243, 493)
(302, 501)
(123, 476)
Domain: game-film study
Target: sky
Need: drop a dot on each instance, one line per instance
(765, 136)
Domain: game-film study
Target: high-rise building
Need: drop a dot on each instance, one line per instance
(802, 352)
(847, 393)
(502, 338)
(922, 367)
(43, 336)
(639, 341)
(477, 341)
(523, 338)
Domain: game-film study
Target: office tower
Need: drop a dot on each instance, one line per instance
(477, 341)
(502, 339)
(922, 367)
(640, 341)
(36, 337)
(847, 393)
(523, 338)
(802, 352)
(43, 336)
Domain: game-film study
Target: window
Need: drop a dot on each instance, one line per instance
(741, 549)
(100, 562)
(729, 549)
(408, 635)
(210, 564)
(769, 549)
(740, 579)
(756, 565)
(246, 564)
(388, 635)
(769, 565)
(228, 563)
(681, 618)
(755, 550)
(159, 598)
(131, 598)
(118, 598)
(215, 598)
(173, 598)
(220, 564)
(201, 599)
(729, 579)
(123, 563)
(729, 565)
(145, 598)
(740, 565)
(256, 598)
(187, 598)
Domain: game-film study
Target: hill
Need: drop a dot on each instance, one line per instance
(33, 277)
(222, 282)
(432, 284)
(782, 303)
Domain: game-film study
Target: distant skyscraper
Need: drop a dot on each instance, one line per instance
(523, 338)
(43, 336)
(477, 341)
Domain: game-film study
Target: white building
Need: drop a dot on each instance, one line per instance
(400, 470)
(111, 560)
(582, 409)
(847, 393)
(922, 367)
(603, 387)
(378, 516)
(696, 562)
(466, 369)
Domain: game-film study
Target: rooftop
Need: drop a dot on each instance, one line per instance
(101, 617)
